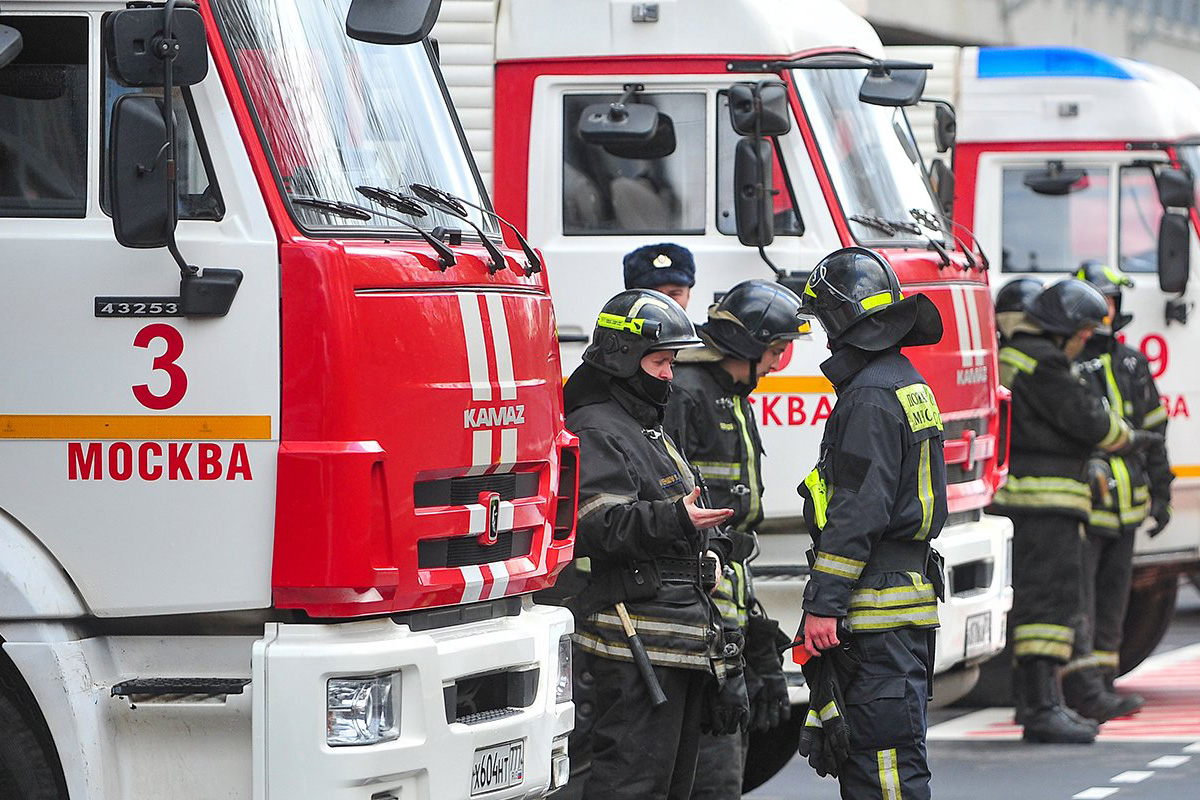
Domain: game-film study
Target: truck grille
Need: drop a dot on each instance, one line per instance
(465, 489)
(463, 551)
(954, 429)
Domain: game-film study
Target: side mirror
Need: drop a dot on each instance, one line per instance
(1174, 234)
(1054, 180)
(137, 38)
(141, 190)
(1175, 188)
(945, 127)
(759, 108)
(753, 192)
(892, 86)
(391, 21)
(10, 45)
(942, 178)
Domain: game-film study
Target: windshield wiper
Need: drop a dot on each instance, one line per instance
(871, 221)
(340, 208)
(458, 206)
(414, 208)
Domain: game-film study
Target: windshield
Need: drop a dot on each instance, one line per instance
(337, 113)
(871, 155)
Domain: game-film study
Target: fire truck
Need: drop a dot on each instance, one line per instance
(736, 129)
(1062, 155)
(282, 455)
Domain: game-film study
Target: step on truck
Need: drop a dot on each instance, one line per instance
(282, 454)
(827, 169)
(1062, 155)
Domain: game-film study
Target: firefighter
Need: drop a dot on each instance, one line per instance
(1058, 420)
(665, 267)
(645, 534)
(1125, 490)
(711, 419)
(1012, 301)
(874, 502)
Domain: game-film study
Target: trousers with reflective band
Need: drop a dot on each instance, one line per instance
(886, 713)
(1047, 574)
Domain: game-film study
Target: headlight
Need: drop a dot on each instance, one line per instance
(562, 689)
(360, 710)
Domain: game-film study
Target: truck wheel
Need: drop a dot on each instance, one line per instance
(25, 771)
(770, 751)
(1151, 608)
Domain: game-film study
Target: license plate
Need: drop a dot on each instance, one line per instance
(979, 634)
(498, 767)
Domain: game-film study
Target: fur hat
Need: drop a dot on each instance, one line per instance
(659, 264)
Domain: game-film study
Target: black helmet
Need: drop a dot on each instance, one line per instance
(856, 297)
(1017, 294)
(1067, 306)
(1108, 280)
(752, 315)
(634, 323)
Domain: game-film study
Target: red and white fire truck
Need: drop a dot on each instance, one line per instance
(535, 91)
(282, 454)
(1063, 155)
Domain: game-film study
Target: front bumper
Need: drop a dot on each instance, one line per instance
(433, 757)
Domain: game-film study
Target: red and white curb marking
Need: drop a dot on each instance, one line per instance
(1170, 682)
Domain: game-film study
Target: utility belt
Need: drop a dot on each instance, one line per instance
(639, 580)
(892, 556)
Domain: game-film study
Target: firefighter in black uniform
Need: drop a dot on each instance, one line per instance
(1012, 301)
(1125, 490)
(711, 419)
(874, 502)
(645, 534)
(1058, 421)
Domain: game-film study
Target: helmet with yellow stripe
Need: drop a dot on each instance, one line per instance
(856, 297)
(634, 323)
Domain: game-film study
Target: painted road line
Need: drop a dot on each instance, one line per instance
(1132, 776)
(1095, 793)
(1168, 762)
(1194, 747)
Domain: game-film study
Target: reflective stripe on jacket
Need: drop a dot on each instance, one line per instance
(881, 476)
(1058, 420)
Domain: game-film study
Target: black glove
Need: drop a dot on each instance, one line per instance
(765, 681)
(1160, 510)
(1140, 440)
(825, 739)
(726, 708)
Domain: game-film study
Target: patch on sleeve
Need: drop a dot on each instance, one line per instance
(920, 407)
(850, 470)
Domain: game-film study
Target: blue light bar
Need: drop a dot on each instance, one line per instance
(1048, 62)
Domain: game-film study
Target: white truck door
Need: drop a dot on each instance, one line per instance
(138, 446)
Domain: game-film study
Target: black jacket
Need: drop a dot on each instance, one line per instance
(1058, 421)
(1121, 374)
(883, 475)
(632, 521)
(709, 416)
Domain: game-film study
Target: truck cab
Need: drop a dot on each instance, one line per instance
(282, 455)
(842, 172)
(1064, 155)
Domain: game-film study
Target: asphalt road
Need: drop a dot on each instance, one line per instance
(976, 753)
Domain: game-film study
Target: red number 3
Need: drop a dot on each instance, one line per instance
(166, 363)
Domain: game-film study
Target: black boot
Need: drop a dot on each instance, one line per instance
(1135, 700)
(1043, 715)
(1085, 692)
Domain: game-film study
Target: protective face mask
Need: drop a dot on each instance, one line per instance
(651, 388)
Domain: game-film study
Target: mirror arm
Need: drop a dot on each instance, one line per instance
(780, 274)
(167, 49)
